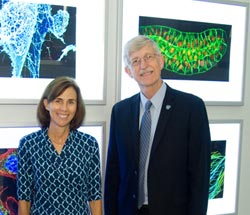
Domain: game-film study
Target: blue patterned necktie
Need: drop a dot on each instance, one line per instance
(145, 131)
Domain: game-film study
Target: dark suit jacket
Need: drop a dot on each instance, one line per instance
(179, 167)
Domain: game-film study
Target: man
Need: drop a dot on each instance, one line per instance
(177, 167)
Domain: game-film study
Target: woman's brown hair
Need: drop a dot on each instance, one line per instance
(54, 89)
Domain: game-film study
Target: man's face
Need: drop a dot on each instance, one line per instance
(145, 67)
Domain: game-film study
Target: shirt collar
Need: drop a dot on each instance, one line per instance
(157, 99)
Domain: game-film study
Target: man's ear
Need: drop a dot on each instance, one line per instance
(162, 61)
(128, 71)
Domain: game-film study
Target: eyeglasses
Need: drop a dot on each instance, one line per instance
(147, 59)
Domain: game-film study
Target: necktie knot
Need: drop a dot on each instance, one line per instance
(148, 105)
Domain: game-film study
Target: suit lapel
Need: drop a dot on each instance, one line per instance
(134, 127)
(166, 109)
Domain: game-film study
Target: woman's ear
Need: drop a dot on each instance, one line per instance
(46, 103)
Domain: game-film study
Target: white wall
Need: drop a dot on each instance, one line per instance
(12, 115)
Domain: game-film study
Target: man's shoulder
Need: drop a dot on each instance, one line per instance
(128, 101)
(184, 95)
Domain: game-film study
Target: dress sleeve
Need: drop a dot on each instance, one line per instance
(94, 177)
(24, 173)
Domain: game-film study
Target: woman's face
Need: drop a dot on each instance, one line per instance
(63, 108)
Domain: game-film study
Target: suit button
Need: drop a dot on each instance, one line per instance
(134, 196)
(135, 172)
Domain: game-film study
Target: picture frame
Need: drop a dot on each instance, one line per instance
(228, 133)
(191, 50)
(88, 49)
(212, 92)
(10, 137)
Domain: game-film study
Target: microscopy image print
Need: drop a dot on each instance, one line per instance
(36, 40)
(192, 50)
(8, 170)
(217, 169)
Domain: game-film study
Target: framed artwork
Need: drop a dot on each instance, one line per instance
(225, 152)
(11, 135)
(191, 50)
(9, 140)
(41, 41)
(199, 42)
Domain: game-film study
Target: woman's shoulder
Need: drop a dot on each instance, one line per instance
(33, 134)
(86, 140)
(82, 135)
(32, 137)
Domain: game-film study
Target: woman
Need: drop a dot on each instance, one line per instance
(59, 166)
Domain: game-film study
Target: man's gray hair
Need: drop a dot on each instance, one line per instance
(135, 44)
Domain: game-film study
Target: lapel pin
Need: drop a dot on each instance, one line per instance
(168, 107)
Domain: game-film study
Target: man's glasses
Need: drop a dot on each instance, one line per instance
(147, 59)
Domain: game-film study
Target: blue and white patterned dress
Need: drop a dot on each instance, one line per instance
(59, 183)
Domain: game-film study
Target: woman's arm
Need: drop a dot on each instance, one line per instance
(23, 207)
(95, 207)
